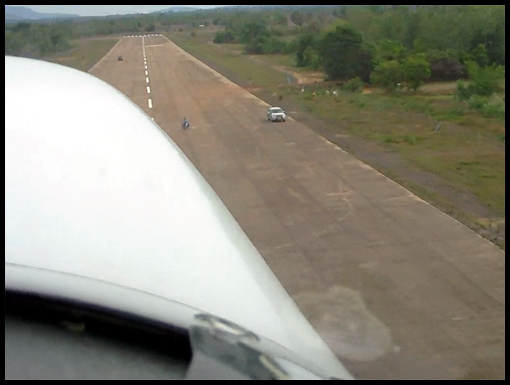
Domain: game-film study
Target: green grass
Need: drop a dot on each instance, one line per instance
(279, 60)
(470, 157)
(258, 74)
(85, 53)
(482, 174)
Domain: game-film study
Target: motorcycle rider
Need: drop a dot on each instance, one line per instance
(185, 124)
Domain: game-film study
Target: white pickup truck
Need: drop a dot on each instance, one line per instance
(275, 114)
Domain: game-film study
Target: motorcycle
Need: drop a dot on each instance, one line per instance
(185, 125)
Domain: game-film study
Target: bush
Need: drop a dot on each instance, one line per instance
(462, 93)
(493, 111)
(354, 84)
(387, 74)
(477, 102)
(256, 47)
(445, 66)
(276, 32)
(485, 81)
(302, 44)
(415, 71)
(292, 47)
(311, 58)
(479, 55)
(228, 36)
(265, 45)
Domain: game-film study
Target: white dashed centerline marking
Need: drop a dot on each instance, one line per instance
(149, 101)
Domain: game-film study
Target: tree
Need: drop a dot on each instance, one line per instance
(280, 19)
(314, 27)
(390, 50)
(415, 71)
(297, 17)
(22, 27)
(227, 36)
(485, 81)
(311, 58)
(345, 55)
(305, 42)
(387, 75)
(377, 9)
(254, 30)
(412, 29)
(479, 55)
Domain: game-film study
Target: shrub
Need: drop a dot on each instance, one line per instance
(387, 74)
(354, 84)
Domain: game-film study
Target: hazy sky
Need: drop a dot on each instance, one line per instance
(102, 10)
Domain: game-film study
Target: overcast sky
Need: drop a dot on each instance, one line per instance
(102, 10)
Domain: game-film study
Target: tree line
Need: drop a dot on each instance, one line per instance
(389, 46)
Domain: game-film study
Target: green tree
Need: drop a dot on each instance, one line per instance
(480, 56)
(312, 58)
(415, 71)
(412, 31)
(387, 75)
(254, 30)
(227, 36)
(297, 17)
(304, 42)
(390, 50)
(15, 43)
(280, 19)
(485, 81)
(345, 55)
(22, 27)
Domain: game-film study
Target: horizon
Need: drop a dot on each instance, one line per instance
(107, 10)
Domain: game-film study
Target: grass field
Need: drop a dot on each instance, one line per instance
(229, 58)
(85, 53)
(466, 149)
(429, 131)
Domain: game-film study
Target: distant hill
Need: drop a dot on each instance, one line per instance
(177, 9)
(25, 14)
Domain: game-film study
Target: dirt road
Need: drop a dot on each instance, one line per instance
(397, 288)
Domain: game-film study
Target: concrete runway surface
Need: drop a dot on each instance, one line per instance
(397, 289)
